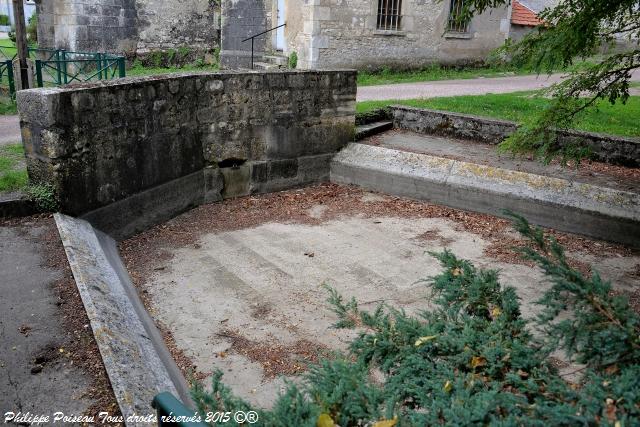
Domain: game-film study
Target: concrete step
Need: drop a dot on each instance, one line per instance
(260, 65)
(564, 205)
(370, 129)
(276, 59)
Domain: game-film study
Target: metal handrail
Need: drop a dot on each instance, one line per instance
(166, 404)
(252, 38)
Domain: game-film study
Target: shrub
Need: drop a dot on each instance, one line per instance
(4, 20)
(32, 29)
(44, 197)
(473, 360)
(293, 60)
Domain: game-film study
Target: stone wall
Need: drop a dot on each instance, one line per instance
(607, 148)
(243, 19)
(344, 34)
(128, 26)
(170, 24)
(134, 152)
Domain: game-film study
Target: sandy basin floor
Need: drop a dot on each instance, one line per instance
(238, 286)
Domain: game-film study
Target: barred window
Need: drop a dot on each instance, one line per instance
(389, 14)
(456, 23)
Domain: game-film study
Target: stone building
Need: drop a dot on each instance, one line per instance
(524, 16)
(361, 33)
(128, 26)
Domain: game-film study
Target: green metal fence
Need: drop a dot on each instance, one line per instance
(6, 74)
(58, 67)
(65, 69)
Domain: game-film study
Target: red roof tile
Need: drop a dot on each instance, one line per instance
(522, 15)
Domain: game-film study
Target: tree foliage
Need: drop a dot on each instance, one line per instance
(573, 30)
(473, 360)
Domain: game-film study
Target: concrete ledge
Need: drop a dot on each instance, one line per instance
(551, 202)
(607, 148)
(135, 357)
(15, 205)
(134, 214)
(370, 129)
(278, 175)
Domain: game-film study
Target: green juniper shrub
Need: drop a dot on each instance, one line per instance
(473, 360)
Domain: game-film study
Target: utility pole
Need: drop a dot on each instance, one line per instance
(21, 42)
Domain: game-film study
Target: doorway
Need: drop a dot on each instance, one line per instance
(280, 42)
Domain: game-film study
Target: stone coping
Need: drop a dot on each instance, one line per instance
(136, 359)
(564, 205)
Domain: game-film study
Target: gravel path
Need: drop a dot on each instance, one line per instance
(479, 86)
(9, 130)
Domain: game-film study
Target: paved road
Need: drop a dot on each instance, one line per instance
(35, 376)
(9, 130)
(479, 86)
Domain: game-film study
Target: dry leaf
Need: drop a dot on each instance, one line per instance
(495, 312)
(423, 340)
(448, 386)
(478, 361)
(325, 420)
(386, 423)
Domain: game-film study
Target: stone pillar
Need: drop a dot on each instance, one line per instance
(242, 19)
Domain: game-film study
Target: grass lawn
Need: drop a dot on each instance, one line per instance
(612, 119)
(139, 70)
(7, 49)
(7, 106)
(437, 72)
(13, 175)
(431, 74)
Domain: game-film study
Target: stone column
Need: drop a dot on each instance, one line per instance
(242, 19)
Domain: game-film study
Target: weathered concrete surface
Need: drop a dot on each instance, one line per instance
(265, 284)
(9, 130)
(98, 144)
(31, 327)
(135, 357)
(16, 204)
(552, 202)
(488, 155)
(607, 148)
(365, 130)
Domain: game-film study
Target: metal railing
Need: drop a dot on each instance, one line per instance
(61, 70)
(58, 67)
(252, 38)
(167, 405)
(457, 23)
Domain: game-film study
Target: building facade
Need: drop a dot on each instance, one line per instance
(362, 34)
